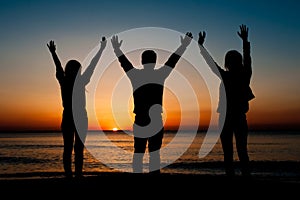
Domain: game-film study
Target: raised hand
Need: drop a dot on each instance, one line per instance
(201, 38)
(187, 39)
(103, 42)
(243, 32)
(51, 46)
(115, 42)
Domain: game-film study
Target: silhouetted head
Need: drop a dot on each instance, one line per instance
(233, 60)
(149, 57)
(72, 68)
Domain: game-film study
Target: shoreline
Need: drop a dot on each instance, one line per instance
(33, 176)
(261, 169)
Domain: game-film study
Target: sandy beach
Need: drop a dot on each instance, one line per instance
(170, 184)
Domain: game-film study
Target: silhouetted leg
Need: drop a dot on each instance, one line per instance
(137, 162)
(68, 138)
(80, 137)
(227, 146)
(139, 151)
(154, 162)
(79, 149)
(140, 142)
(67, 153)
(154, 146)
(241, 136)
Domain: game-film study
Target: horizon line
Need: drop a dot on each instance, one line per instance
(125, 130)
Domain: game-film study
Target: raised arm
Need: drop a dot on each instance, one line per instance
(246, 49)
(207, 57)
(59, 70)
(91, 67)
(125, 63)
(173, 59)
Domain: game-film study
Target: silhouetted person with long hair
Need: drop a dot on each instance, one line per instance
(148, 86)
(72, 84)
(235, 82)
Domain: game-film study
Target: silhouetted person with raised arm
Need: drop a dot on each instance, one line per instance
(235, 81)
(73, 97)
(148, 86)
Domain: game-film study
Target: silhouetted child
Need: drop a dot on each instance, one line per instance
(234, 103)
(74, 128)
(148, 86)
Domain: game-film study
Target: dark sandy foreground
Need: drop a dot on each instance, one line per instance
(164, 185)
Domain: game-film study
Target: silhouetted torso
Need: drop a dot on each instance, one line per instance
(71, 91)
(238, 92)
(148, 87)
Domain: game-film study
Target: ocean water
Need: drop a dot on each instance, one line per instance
(29, 153)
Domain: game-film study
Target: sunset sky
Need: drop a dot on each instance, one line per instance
(30, 94)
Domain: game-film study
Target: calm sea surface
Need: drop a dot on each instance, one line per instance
(42, 152)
